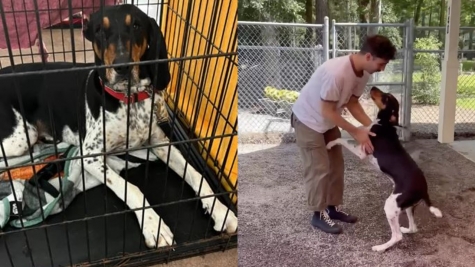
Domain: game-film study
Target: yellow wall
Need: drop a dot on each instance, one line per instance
(216, 21)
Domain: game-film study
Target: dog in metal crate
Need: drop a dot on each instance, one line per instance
(92, 109)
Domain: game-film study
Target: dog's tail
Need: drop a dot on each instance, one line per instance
(437, 213)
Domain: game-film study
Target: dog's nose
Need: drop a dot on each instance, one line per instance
(122, 70)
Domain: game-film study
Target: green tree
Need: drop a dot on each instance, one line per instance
(271, 10)
(426, 82)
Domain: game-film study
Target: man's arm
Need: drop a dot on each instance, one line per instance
(330, 94)
(359, 134)
(329, 111)
(357, 111)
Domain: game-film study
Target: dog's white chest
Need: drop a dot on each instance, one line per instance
(139, 122)
(118, 135)
(374, 162)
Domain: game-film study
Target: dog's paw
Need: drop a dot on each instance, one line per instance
(230, 226)
(221, 213)
(405, 230)
(150, 227)
(330, 144)
(362, 155)
(379, 248)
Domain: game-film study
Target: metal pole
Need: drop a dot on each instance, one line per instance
(404, 76)
(326, 41)
(409, 69)
(335, 38)
(284, 24)
(349, 33)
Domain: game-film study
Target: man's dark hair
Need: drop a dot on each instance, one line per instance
(379, 46)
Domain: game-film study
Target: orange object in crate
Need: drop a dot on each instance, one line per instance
(25, 173)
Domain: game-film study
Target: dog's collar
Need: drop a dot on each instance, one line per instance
(133, 98)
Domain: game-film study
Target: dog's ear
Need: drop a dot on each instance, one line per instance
(394, 119)
(159, 73)
(88, 28)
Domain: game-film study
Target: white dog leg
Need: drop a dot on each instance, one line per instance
(224, 218)
(357, 150)
(392, 214)
(412, 225)
(155, 231)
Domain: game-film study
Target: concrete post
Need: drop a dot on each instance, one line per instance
(448, 92)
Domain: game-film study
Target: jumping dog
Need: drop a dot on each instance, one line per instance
(390, 157)
(69, 106)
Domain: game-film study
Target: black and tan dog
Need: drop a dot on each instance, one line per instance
(71, 106)
(390, 157)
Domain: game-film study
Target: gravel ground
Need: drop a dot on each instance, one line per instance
(275, 226)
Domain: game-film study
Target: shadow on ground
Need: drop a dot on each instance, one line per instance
(275, 226)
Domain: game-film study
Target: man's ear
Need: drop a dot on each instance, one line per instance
(159, 73)
(367, 56)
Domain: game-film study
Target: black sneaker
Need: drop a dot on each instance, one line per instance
(322, 221)
(336, 214)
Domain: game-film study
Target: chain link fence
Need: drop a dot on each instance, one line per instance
(427, 78)
(276, 60)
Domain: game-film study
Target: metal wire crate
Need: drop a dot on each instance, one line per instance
(96, 227)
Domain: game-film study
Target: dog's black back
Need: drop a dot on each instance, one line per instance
(47, 98)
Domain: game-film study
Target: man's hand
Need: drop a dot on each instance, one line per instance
(361, 135)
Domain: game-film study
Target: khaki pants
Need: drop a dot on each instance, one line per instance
(323, 169)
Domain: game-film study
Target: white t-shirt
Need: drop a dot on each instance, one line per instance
(334, 80)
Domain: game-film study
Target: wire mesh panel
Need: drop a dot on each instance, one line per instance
(347, 38)
(427, 79)
(118, 135)
(204, 88)
(275, 62)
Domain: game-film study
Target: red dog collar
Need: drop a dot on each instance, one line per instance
(135, 97)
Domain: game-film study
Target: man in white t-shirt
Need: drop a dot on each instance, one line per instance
(316, 118)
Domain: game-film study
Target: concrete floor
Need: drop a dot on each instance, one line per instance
(215, 259)
(465, 147)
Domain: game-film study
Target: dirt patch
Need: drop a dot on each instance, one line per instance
(275, 226)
